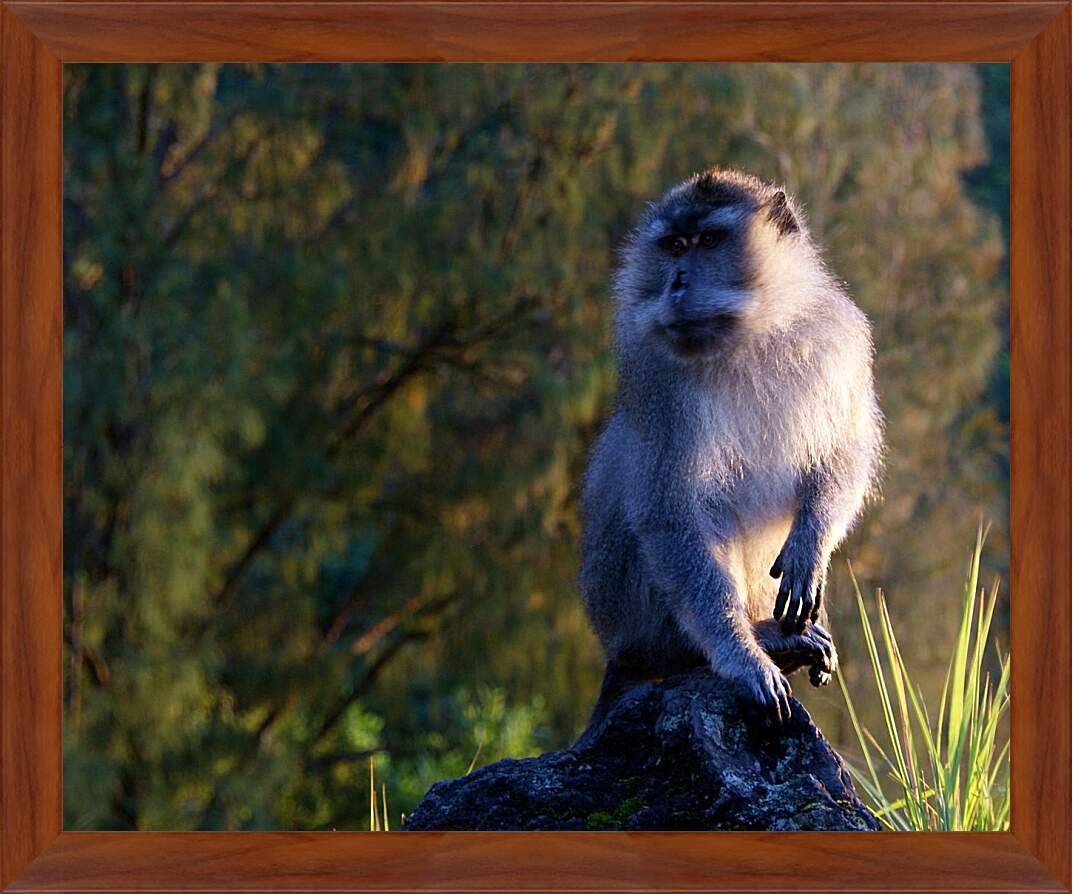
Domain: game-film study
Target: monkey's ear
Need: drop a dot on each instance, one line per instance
(781, 215)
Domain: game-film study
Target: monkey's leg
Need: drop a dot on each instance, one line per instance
(617, 681)
(687, 545)
(814, 648)
(713, 616)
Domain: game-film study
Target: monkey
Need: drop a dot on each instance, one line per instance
(744, 440)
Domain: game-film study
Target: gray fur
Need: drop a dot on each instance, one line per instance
(746, 433)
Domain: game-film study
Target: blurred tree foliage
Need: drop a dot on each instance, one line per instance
(337, 340)
(989, 185)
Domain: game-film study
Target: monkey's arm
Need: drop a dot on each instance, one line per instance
(681, 548)
(830, 496)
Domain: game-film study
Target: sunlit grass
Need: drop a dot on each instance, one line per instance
(946, 769)
(378, 817)
(378, 820)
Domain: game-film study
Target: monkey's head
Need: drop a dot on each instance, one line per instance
(719, 258)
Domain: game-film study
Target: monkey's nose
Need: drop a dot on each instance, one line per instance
(680, 281)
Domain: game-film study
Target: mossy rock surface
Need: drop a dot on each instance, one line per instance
(679, 754)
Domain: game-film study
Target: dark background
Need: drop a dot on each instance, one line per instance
(336, 344)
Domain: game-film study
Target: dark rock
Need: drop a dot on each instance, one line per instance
(682, 753)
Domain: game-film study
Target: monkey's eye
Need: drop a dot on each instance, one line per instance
(675, 245)
(711, 238)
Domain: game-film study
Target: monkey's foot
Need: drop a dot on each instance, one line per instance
(814, 648)
(764, 684)
(824, 656)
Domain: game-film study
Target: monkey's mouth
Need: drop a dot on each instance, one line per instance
(696, 336)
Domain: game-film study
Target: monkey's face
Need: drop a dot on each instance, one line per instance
(691, 272)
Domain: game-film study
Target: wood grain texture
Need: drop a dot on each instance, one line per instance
(1035, 857)
(543, 861)
(1040, 446)
(31, 334)
(497, 31)
(663, 4)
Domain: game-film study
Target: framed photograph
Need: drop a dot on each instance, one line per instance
(478, 446)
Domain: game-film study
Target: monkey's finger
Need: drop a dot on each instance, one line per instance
(773, 685)
(774, 709)
(819, 638)
(765, 704)
(788, 623)
(819, 600)
(827, 647)
(784, 594)
(823, 659)
(776, 569)
(771, 714)
(808, 602)
(793, 609)
(784, 701)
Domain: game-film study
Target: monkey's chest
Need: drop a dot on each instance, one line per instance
(750, 472)
(753, 472)
(752, 447)
(753, 517)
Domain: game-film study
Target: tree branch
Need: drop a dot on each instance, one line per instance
(430, 607)
(378, 394)
(215, 128)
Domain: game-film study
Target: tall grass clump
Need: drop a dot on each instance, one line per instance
(378, 821)
(946, 769)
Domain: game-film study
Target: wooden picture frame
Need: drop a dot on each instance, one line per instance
(38, 36)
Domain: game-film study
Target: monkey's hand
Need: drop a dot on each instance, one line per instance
(804, 572)
(763, 683)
